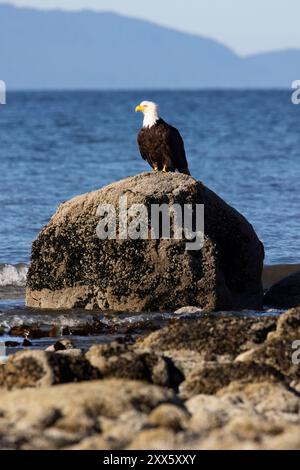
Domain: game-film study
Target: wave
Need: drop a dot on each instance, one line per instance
(13, 275)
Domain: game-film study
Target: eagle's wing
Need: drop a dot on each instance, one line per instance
(142, 147)
(178, 151)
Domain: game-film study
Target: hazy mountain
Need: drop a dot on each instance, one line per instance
(56, 49)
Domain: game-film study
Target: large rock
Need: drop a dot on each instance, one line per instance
(210, 377)
(281, 349)
(123, 361)
(276, 272)
(72, 267)
(211, 336)
(61, 416)
(42, 369)
(285, 293)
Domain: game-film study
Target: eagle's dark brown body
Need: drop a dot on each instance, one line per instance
(162, 147)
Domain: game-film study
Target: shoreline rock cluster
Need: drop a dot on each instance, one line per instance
(217, 382)
(208, 381)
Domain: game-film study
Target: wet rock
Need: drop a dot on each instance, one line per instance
(31, 331)
(130, 328)
(61, 345)
(211, 336)
(93, 327)
(121, 360)
(285, 293)
(212, 377)
(41, 369)
(276, 272)
(170, 417)
(12, 344)
(279, 349)
(72, 267)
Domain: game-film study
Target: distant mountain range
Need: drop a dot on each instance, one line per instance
(95, 50)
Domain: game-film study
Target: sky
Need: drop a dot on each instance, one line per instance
(247, 26)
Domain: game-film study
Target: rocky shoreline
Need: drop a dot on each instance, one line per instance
(221, 374)
(216, 382)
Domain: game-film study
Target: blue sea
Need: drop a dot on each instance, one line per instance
(244, 145)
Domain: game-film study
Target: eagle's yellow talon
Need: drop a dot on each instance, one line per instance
(164, 169)
(155, 168)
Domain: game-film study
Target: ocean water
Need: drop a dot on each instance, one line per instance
(244, 145)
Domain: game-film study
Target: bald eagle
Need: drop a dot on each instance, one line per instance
(160, 144)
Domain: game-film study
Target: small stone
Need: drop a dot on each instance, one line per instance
(169, 416)
(63, 344)
(189, 310)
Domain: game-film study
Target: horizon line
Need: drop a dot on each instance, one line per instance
(147, 90)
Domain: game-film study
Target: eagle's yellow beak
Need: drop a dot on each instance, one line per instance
(139, 108)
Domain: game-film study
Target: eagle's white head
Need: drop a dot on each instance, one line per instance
(150, 111)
